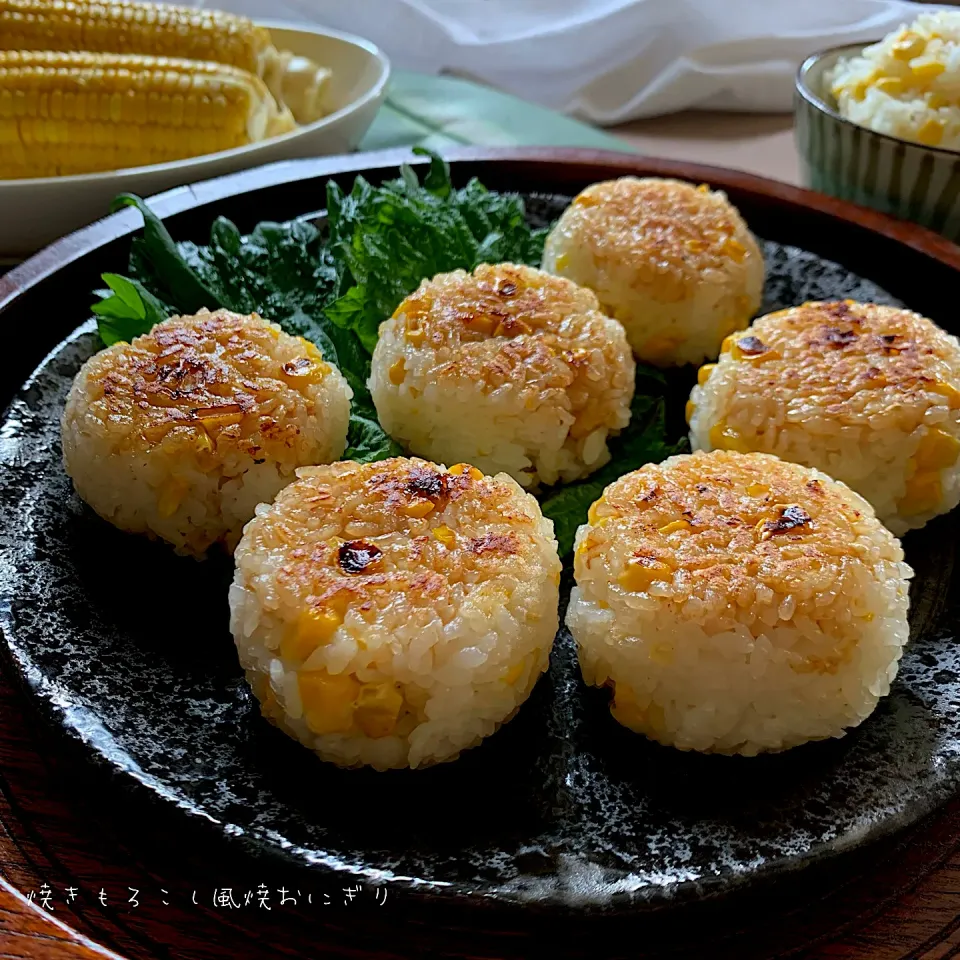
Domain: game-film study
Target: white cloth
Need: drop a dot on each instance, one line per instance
(607, 61)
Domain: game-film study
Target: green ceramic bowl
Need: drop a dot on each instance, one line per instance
(839, 158)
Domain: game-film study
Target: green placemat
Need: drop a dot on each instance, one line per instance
(439, 112)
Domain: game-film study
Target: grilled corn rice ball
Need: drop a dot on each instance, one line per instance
(508, 368)
(869, 394)
(674, 263)
(393, 614)
(908, 84)
(181, 433)
(162, 30)
(736, 603)
(72, 113)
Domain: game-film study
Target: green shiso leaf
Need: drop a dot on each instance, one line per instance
(127, 310)
(172, 272)
(366, 441)
(282, 271)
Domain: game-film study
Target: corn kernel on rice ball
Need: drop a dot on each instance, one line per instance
(737, 603)
(181, 433)
(869, 394)
(674, 263)
(507, 368)
(393, 614)
(908, 84)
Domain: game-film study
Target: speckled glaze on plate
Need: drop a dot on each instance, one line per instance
(127, 648)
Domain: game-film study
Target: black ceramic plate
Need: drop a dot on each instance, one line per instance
(127, 648)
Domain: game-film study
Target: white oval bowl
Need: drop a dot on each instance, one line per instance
(35, 212)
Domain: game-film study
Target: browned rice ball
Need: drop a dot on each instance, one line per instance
(181, 433)
(869, 394)
(737, 603)
(674, 263)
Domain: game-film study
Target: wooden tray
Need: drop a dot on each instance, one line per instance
(857, 238)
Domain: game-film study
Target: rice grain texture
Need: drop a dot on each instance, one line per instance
(737, 604)
(674, 263)
(396, 613)
(869, 394)
(507, 368)
(181, 433)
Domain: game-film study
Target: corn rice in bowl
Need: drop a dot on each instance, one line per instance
(907, 85)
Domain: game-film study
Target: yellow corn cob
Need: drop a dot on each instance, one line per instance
(121, 26)
(68, 113)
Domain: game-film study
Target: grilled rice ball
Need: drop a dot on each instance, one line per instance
(181, 433)
(393, 614)
(868, 394)
(737, 603)
(674, 263)
(507, 368)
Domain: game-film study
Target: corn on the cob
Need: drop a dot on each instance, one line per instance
(69, 113)
(119, 26)
(122, 26)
